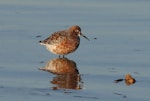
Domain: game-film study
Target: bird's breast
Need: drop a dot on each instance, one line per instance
(68, 45)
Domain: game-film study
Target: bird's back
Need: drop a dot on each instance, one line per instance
(55, 38)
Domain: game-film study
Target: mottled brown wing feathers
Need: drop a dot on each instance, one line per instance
(55, 38)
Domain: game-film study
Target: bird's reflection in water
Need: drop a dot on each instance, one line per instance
(66, 74)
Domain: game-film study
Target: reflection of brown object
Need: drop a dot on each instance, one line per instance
(67, 81)
(129, 79)
(60, 66)
(67, 75)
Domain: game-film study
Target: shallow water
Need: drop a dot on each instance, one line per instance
(119, 44)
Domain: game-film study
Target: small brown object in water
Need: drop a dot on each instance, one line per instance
(129, 79)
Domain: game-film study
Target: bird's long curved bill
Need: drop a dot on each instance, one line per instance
(84, 36)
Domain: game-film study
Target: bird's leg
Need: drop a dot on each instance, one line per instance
(61, 56)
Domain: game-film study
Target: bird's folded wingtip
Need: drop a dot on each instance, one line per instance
(41, 42)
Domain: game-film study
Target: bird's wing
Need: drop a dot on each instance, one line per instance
(56, 38)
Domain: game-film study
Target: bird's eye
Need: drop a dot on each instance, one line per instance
(76, 31)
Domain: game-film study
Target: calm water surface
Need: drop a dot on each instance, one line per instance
(119, 36)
